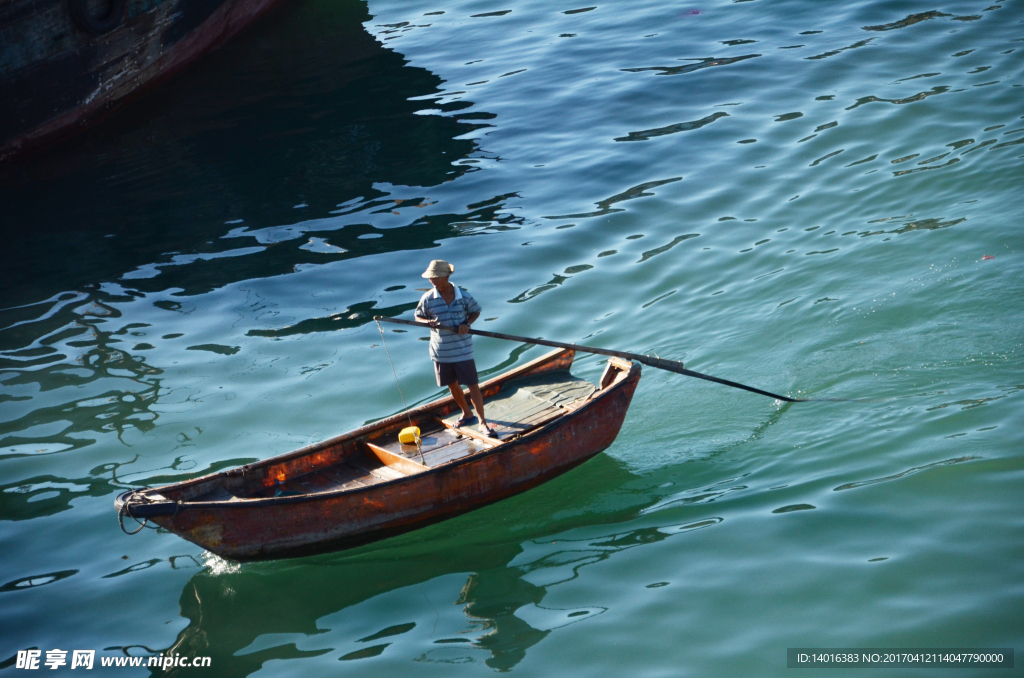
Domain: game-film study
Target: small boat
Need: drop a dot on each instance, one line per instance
(366, 485)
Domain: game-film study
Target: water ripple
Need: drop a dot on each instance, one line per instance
(698, 64)
(908, 472)
(37, 580)
(908, 21)
(638, 191)
(648, 134)
(920, 96)
(834, 52)
(650, 254)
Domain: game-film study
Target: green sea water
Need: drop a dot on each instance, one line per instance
(817, 199)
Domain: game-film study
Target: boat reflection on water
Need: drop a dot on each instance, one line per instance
(300, 118)
(231, 613)
(463, 591)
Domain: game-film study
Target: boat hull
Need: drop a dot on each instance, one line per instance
(303, 525)
(56, 76)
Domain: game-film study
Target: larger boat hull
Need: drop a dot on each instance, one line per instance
(57, 75)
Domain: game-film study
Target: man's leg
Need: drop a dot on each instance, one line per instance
(447, 376)
(460, 399)
(478, 402)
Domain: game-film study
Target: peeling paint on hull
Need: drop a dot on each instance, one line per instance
(56, 78)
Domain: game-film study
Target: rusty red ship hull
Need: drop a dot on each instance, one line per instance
(251, 525)
(66, 63)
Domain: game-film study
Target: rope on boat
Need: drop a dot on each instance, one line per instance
(125, 511)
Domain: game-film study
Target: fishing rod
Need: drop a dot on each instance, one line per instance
(658, 363)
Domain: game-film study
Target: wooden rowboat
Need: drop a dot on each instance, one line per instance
(365, 485)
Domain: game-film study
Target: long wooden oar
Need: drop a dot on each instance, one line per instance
(659, 363)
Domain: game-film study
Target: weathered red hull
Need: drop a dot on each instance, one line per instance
(300, 525)
(56, 76)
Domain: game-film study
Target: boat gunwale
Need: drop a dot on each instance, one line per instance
(262, 502)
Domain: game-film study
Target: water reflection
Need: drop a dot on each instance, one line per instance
(466, 590)
(231, 612)
(45, 495)
(74, 371)
(72, 342)
(253, 615)
(304, 114)
(36, 580)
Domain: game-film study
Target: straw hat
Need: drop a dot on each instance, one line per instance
(439, 268)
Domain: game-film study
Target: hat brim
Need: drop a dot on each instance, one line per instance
(437, 272)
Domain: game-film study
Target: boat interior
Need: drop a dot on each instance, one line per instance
(514, 406)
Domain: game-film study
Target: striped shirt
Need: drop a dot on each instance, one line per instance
(448, 347)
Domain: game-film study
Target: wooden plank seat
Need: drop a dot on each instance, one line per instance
(438, 445)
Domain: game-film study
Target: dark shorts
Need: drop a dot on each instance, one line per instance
(463, 372)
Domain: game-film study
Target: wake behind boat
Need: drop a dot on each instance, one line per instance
(366, 485)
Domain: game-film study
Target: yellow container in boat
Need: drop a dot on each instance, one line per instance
(409, 435)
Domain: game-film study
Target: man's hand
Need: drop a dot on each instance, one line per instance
(463, 328)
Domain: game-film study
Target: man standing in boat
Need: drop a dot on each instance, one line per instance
(452, 352)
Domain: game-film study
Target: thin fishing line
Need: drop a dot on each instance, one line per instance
(395, 372)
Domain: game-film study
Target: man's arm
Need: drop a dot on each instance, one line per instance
(473, 312)
(420, 315)
(464, 327)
